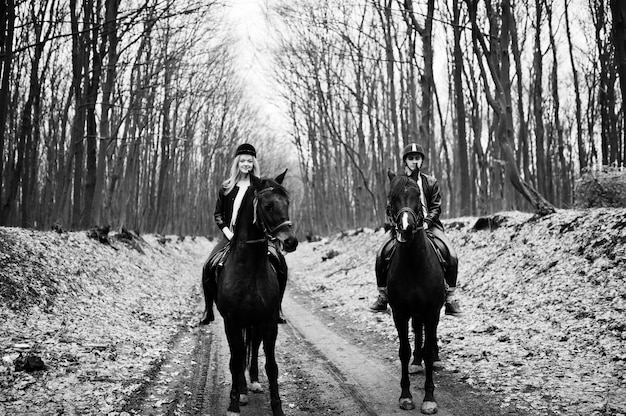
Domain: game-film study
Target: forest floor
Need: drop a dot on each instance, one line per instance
(99, 316)
(544, 299)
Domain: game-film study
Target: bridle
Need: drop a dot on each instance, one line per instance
(270, 232)
(412, 213)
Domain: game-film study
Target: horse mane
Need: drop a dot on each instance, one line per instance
(398, 183)
(267, 182)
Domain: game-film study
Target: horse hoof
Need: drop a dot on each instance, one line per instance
(429, 408)
(406, 404)
(243, 399)
(277, 409)
(255, 387)
(414, 369)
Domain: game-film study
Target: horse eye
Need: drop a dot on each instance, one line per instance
(269, 208)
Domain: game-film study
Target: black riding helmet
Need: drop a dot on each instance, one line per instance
(411, 149)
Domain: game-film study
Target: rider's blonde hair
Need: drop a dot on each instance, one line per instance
(236, 175)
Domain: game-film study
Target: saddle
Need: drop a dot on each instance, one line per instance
(277, 262)
(440, 251)
(217, 261)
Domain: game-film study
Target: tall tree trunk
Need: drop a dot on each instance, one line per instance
(540, 155)
(606, 89)
(391, 87)
(428, 82)
(79, 59)
(110, 38)
(618, 9)
(26, 130)
(462, 156)
(93, 86)
(7, 24)
(413, 30)
(523, 158)
(582, 153)
(165, 146)
(565, 188)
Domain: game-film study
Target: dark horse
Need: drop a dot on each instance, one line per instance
(249, 294)
(415, 286)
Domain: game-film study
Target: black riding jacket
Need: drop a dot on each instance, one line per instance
(224, 205)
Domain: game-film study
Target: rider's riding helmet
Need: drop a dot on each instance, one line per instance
(246, 149)
(413, 148)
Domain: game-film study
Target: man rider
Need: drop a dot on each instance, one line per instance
(413, 157)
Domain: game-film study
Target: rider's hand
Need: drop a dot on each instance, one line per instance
(229, 234)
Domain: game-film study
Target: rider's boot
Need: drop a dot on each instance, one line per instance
(383, 258)
(380, 305)
(452, 303)
(207, 287)
(282, 283)
(280, 265)
(451, 271)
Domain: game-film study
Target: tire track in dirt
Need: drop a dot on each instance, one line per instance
(361, 358)
(308, 383)
(190, 380)
(369, 382)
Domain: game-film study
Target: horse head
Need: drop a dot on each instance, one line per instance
(272, 202)
(405, 207)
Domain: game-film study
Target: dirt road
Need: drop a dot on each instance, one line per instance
(323, 369)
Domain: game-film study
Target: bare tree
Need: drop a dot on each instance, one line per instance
(618, 10)
(582, 154)
(459, 100)
(564, 189)
(7, 24)
(109, 47)
(501, 102)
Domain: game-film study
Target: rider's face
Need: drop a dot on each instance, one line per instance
(414, 161)
(246, 164)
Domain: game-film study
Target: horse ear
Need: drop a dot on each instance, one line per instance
(280, 177)
(390, 174)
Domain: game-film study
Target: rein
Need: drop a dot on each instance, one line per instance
(258, 240)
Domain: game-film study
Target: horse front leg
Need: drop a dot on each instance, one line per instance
(416, 365)
(271, 368)
(255, 386)
(243, 386)
(402, 326)
(429, 405)
(237, 364)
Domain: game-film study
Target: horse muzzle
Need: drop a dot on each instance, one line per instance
(288, 240)
(290, 244)
(404, 235)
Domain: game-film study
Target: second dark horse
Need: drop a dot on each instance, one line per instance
(415, 285)
(248, 292)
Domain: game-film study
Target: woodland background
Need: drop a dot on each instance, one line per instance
(127, 113)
